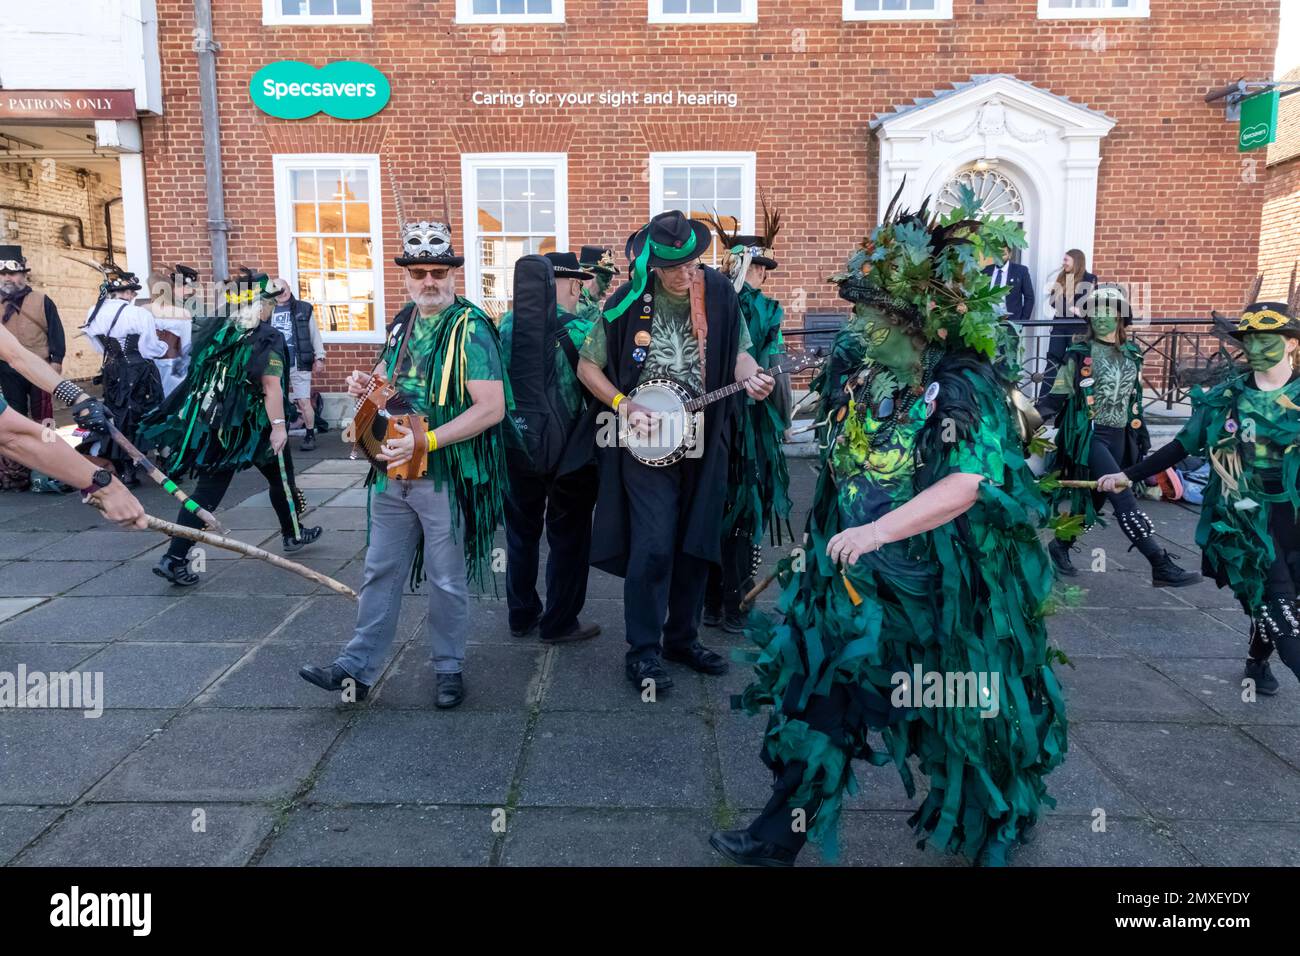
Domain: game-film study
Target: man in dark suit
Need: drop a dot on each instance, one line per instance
(1020, 300)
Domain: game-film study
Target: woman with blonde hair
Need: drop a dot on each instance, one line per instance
(1073, 284)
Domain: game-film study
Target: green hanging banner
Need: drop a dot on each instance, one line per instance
(1258, 124)
(291, 89)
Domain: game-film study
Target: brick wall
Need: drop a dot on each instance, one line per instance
(1175, 200)
(55, 188)
(1279, 238)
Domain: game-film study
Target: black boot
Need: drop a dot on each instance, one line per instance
(309, 440)
(176, 570)
(1060, 552)
(1262, 675)
(740, 847)
(306, 536)
(1137, 527)
(1276, 625)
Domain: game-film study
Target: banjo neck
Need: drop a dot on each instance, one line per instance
(708, 398)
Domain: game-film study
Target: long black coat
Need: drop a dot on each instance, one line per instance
(704, 479)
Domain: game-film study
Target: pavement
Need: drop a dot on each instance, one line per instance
(212, 751)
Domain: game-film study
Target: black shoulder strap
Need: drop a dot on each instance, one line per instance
(570, 350)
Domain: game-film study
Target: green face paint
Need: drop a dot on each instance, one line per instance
(1263, 350)
(890, 346)
(1103, 325)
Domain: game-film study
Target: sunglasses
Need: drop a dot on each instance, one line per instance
(419, 275)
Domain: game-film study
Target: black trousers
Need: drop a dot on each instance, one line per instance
(562, 507)
(18, 392)
(1106, 458)
(212, 488)
(729, 583)
(663, 591)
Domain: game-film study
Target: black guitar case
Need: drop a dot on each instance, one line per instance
(539, 414)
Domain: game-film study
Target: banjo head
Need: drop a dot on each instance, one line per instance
(673, 436)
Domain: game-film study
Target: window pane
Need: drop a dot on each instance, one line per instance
(485, 6)
(546, 245)
(516, 217)
(308, 254)
(359, 254)
(675, 182)
(539, 6)
(349, 7)
(728, 6)
(356, 217)
(335, 252)
(514, 183)
(729, 208)
(512, 6)
(728, 182)
(895, 4)
(701, 6)
(361, 285)
(308, 282)
(866, 5)
(922, 4)
(703, 182)
(304, 217)
(322, 7)
(303, 185)
(674, 6)
(490, 215)
(489, 184)
(356, 185)
(331, 217)
(290, 8)
(543, 184)
(543, 217)
(327, 183)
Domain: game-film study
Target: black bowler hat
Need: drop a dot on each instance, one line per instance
(665, 234)
(566, 266)
(11, 259)
(598, 259)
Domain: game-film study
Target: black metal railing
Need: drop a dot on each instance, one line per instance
(1179, 353)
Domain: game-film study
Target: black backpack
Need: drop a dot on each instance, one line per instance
(540, 416)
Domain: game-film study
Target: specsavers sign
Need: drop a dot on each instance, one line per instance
(291, 89)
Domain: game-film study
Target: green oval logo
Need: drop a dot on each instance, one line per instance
(291, 89)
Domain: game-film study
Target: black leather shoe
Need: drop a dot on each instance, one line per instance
(739, 847)
(1060, 552)
(525, 631)
(698, 658)
(1166, 574)
(652, 669)
(305, 537)
(1262, 675)
(451, 690)
(735, 622)
(176, 570)
(334, 678)
(580, 632)
(712, 617)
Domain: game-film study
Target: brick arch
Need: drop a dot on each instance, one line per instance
(705, 134)
(301, 136)
(531, 136)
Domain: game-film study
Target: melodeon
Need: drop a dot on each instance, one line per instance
(379, 410)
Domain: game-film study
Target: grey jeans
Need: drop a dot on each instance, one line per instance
(397, 516)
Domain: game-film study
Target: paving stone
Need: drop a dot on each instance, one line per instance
(331, 619)
(147, 834)
(608, 838)
(618, 760)
(249, 519)
(589, 676)
(1117, 689)
(1241, 843)
(384, 836)
(1080, 785)
(1282, 741)
(351, 498)
(80, 619)
(1166, 633)
(337, 518)
(20, 825)
(315, 498)
(1218, 683)
(53, 756)
(1077, 637)
(225, 755)
(26, 579)
(877, 838)
(1071, 841)
(416, 756)
(327, 481)
(131, 578)
(96, 545)
(12, 607)
(19, 544)
(217, 618)
(144, 676)
(1195, 772)
(251, 576)
(45, 657)
(339, 466)
(496, 678)
(268, 677)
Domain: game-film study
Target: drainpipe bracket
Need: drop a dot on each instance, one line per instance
(203, 43)
(218, 225)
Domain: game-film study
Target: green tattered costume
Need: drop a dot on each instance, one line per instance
(1101, 384)
(968, 596)
(444, 353)
(216, 420)
(758, 480)
(1255, 437)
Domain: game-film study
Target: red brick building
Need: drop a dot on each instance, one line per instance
(1084, 118)
(1279, 233)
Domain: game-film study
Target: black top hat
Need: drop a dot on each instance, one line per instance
(11, 259)
(757, 246)
(185, 273)
(119, 280)
(247, 286)
(427, 244)
(598, 259)
(1275, 317)
(665, 234)
(566, 266)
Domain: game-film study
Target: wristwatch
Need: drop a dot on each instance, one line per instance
(100, 480)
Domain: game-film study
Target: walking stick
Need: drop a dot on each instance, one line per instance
(218, 541)
(288, 493)
(139, 460)
(1091, 485)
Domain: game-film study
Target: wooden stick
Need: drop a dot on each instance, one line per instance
(139, 460)
(1092, 485)
(218, 541)
(748, 600)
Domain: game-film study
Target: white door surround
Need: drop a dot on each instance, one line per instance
(1049, 146)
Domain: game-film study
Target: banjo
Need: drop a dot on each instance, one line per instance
(677, 415)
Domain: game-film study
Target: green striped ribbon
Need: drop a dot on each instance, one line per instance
(641, 271)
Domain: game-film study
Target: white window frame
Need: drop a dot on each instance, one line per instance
(465, 14)
(942, 11)
(470, 163)
(748, 163)
(748, 14)
(273, 17)
(284, 163)
(1136, 10)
